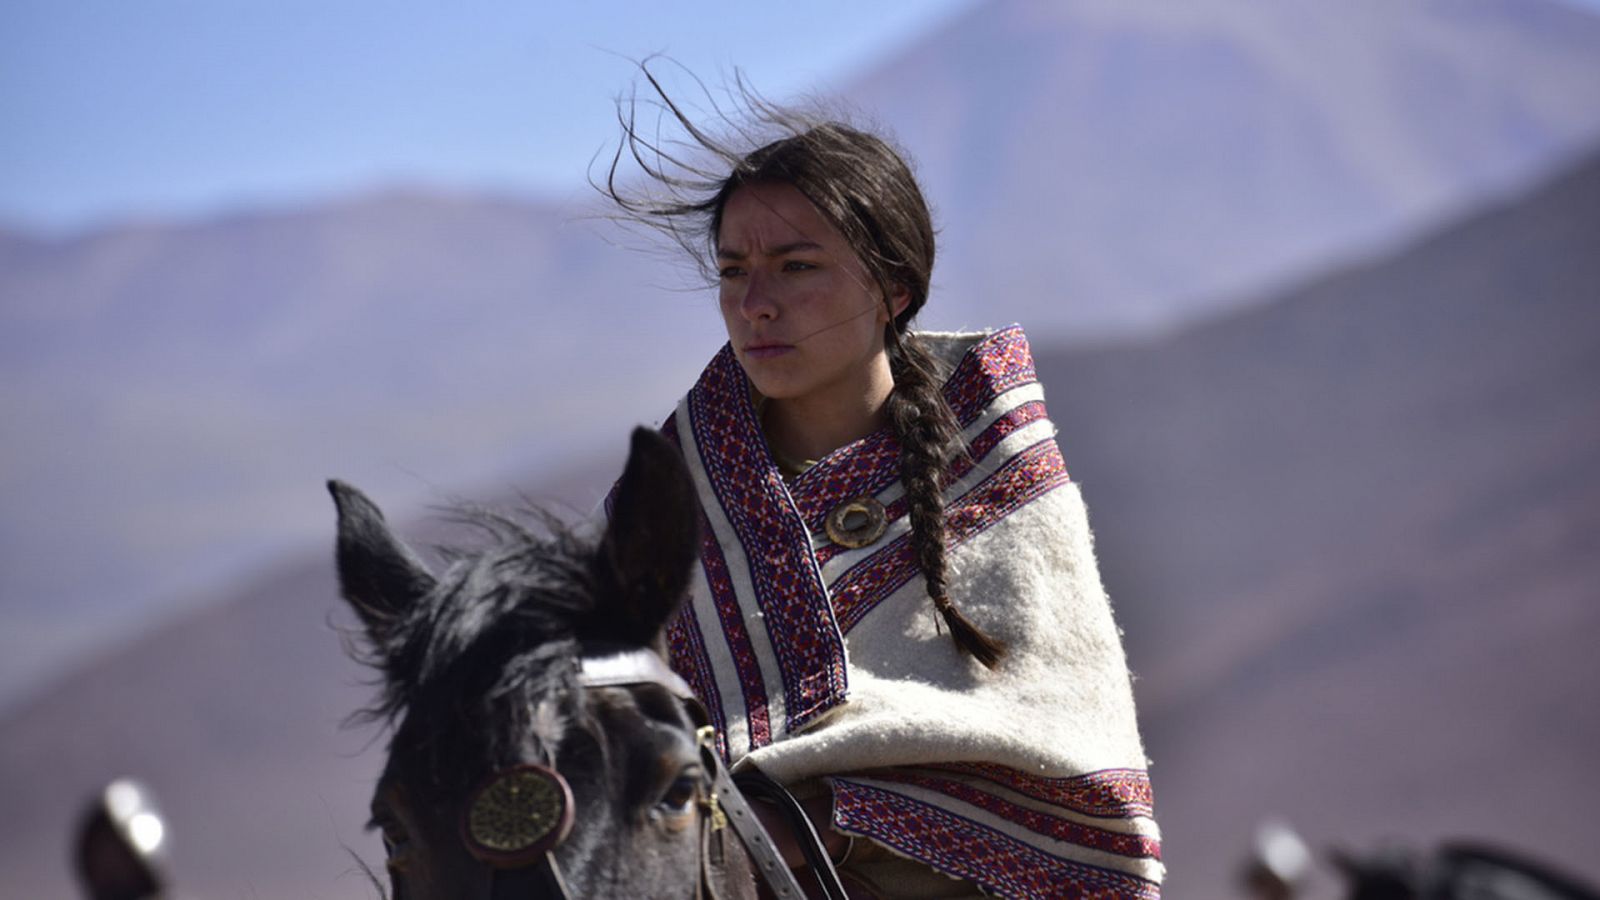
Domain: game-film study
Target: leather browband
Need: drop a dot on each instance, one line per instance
(636, 666)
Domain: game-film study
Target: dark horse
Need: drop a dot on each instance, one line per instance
(494, 679)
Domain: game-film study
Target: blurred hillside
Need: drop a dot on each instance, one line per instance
(1351, 539)
(1107, 167)
(1099, 168)
(1347, 532)
(172, 391)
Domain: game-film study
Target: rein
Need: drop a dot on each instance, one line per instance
(517, 819)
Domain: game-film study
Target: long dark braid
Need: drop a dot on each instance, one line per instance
(867, 192)
(930, 440)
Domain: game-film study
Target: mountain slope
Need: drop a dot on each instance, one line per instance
(171, 389)
(1351, 535)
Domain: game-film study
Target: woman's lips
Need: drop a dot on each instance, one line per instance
(767, 351)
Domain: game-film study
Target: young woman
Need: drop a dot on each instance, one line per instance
(897, 612)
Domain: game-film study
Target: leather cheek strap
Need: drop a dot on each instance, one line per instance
(757, 785)
(769, 865)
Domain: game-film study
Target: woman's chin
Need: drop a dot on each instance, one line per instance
(776, 392)
(769, 381)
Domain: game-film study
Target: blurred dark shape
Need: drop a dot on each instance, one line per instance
(1391, 873)
(1481, 872)
(1455, 870)
(1278, 864)
(120, 853)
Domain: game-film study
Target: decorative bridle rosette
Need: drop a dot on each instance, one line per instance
(517, 816)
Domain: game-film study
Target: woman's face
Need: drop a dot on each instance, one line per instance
(804, 316)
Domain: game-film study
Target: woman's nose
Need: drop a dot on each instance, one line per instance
(758, 301)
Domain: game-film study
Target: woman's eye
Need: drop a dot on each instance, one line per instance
(729, 272)
(795, 265)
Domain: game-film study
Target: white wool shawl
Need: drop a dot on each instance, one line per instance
(816, 660)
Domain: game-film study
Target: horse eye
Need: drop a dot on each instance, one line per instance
(682, 793)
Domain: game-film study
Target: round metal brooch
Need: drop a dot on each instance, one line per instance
(857, 523)
(517, 816)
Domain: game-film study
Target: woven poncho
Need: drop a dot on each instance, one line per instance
(816, 660)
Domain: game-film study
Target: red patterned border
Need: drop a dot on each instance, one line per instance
(686, 647)
(963, 848)
(731, 618)
(686, 653)
(996, 364)
(991, 367)
(1025, 477)
(860, 469)
(788, 588)
(1108, 793)
(1016, 419)
(1120, 843)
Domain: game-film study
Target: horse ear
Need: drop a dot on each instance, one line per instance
(378, 575)
(650, 544)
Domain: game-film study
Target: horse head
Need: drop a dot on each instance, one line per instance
(509, 770)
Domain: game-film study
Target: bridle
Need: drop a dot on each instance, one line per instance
(515, 821)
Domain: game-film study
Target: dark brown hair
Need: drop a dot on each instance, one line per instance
(866, 191)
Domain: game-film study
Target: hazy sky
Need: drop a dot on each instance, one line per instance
(110, 107)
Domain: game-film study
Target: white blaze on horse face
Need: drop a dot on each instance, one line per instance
(803, 314)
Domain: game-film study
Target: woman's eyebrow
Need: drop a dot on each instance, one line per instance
(781, 249)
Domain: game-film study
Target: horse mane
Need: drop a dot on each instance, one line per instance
(500, 624)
